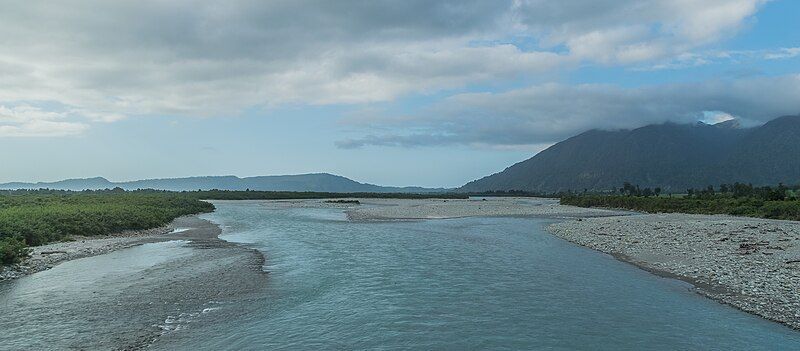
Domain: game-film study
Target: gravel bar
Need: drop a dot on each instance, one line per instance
(751, 264)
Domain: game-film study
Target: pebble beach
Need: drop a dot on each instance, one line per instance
(47, 256)
(751, 264)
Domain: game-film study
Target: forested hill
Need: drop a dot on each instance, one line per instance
(671, 156)
(316, 182)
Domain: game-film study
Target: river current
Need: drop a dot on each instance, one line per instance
(453, 284)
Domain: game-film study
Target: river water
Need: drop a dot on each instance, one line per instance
(457, 284)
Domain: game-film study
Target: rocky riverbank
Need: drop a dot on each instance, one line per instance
(136, 298)
(47, 256)
(389, 209)
(751, 264)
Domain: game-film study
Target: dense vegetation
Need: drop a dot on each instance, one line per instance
(291, 195)
(737, 199)
(30, 218)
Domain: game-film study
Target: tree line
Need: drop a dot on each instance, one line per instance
(741, 190)
(776, 202)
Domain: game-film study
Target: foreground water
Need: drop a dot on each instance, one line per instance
(85, 301)
(460, 284)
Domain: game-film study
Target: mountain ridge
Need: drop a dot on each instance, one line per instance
(671, 156)
(315, 182)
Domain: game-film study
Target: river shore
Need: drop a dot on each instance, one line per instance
(143, 286)
(749, 263)
(388, 209)
(47, 256)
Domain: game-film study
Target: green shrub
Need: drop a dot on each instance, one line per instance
(12, 250)
(720, 204)
(38, 217)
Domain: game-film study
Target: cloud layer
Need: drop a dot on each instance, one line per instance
(114, 59)
(28, 121)
(552, 112)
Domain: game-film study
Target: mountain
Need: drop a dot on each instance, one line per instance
(68, 184)
(672, 156)
(320, 182)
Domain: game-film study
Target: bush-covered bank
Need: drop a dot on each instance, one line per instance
(739, 200)
(12, 250)
(37, 217)
(31, 218)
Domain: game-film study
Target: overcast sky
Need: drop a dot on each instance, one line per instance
(431, 93)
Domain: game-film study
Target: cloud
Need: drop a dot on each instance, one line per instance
(110, 60)
(783, 53)
(630, 31)
(714, 57)
(105, 117)
(29, 121)
(714, 117)
(549, 113)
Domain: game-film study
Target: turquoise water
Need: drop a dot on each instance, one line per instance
(89, 301)
(461, 284)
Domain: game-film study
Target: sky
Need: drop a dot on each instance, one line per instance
(427, 93)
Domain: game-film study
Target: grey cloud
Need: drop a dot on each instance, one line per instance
(30, 121)
(200, 58)
(210, 58)
(552, 112)
(634, 30)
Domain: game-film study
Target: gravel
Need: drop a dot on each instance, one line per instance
(388, 209)
(751, 264)
(47, 256)
(141, 309)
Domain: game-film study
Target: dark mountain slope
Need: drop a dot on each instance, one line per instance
(671, 156)
(767, 155)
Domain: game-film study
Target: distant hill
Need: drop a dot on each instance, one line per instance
(672, 156)
(320, 182)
